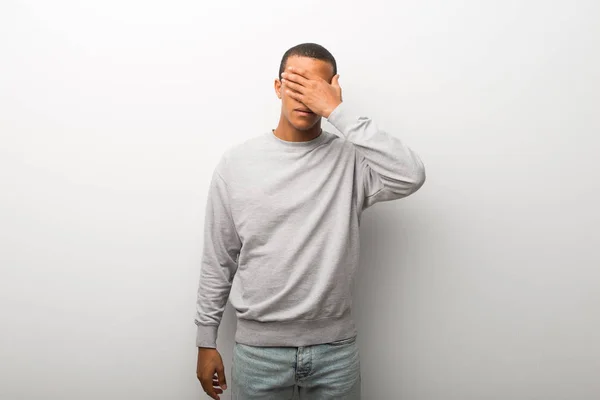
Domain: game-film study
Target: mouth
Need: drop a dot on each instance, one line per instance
(302, 111)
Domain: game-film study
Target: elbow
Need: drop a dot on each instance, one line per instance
(405, 185)
(420, 177)
(414, 175)
(406, 181)
(415, 180)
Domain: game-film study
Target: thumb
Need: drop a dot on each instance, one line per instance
(221, 376)
(335, 80)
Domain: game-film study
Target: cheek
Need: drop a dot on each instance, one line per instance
(285, 96)
(289, 102)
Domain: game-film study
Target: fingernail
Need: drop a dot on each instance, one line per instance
(224, 387)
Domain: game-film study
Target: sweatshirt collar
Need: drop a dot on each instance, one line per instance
(308, 144)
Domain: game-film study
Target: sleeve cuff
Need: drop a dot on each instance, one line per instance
(341, 118)
(206, 336)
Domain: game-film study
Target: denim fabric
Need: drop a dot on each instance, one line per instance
(317, 372)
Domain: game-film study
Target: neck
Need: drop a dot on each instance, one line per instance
(286, 131)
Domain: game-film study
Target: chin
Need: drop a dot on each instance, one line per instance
(304, 125)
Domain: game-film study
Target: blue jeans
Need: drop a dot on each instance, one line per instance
(317, 372)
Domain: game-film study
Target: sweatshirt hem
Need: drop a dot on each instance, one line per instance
(295, 333)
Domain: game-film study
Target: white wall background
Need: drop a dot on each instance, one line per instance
(483, 285)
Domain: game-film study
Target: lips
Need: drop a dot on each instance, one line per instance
(304, 111)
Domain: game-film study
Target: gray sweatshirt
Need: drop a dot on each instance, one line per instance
(281, 234)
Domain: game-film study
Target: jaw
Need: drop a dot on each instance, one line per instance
(299, 124)
(303, 123)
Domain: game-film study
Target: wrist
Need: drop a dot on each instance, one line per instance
(330, 109)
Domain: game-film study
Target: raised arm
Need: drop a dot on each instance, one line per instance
(387, 168)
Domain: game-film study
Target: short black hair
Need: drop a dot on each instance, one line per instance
(311, 50)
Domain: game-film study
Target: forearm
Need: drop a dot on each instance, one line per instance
(399, 167)
(213, 292)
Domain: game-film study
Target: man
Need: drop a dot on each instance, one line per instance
(282, 237)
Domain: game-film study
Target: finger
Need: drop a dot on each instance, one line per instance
(293, 85)
(208, 389)
(302, 72)
(215, 380)
(299, 79)
(295, 95)
(212, 394)
(217, 387)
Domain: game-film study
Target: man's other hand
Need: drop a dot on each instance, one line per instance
(210, 372)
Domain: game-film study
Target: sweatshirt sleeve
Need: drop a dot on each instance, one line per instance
(218, 264)
(387, 169)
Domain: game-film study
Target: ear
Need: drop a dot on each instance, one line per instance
(278, 88)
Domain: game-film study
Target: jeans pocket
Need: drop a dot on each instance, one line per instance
(342, 342)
